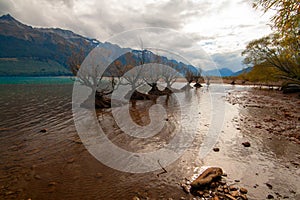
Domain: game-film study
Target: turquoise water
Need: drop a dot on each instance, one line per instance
(37, 80)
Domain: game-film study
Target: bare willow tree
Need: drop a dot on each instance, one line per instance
(133, 72)
(130, 71)
(198, 78)
(92, 76)
(169, 75)
(189, 76)
(152, 75)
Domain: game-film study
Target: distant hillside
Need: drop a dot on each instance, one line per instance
(136, 57)
(219, 72)
(246, 70)
(28, 51)
(25, 50)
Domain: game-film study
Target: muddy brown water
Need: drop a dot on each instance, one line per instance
(56, 165)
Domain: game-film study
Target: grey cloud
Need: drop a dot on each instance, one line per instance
(5, 7)
(231, 60)
(104, 19)
(199, 37)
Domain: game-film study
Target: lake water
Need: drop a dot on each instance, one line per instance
(36, 80)
(56, 165)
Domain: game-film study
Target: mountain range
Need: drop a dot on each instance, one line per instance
(29, 51)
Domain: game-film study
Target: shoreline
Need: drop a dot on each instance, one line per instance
(268, 112)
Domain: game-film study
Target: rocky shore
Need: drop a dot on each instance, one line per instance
(268, 112)
(211, 184)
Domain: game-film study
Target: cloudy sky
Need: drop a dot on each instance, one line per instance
(222, 28)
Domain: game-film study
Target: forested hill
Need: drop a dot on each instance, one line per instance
(28, 51)
(25, 50)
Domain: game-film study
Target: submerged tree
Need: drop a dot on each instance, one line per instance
(198, 78)
(189, 76)
(92, 76)
(133, 76)
(169, 75)
(152, 75)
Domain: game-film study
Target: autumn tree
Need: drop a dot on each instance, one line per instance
(263, 74)
(287, 18)
(280, 49)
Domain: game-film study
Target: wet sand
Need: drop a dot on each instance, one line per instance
(56, 165)
(269, 112)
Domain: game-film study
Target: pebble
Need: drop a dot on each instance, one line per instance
(230, 197)
(43, 130)
(270, 196)
(216, 198)
(71, 160)
(135, 198)
(37, 176)
(246, 144)
(292, 191)
(200, 193)
(235, 193)
(216, 149)
(52, 183)
(233, 188)
(213, 184)
(206, 195)
(243, 190)
(185, 188)
(269, 186)
(222, 182)
(99, 175)
(9, 193)
(244, 197)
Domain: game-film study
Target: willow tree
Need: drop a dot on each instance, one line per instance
(271, 50)
(101, 85)
(287, 19)
(169, 75)
(198, 78)
(280, 49)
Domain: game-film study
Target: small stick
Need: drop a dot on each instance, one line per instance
(165, 171)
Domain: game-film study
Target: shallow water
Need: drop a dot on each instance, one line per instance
(56, 165)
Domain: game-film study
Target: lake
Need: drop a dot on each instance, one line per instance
(56, 165)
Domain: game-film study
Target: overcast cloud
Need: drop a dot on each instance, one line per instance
(221, 27)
